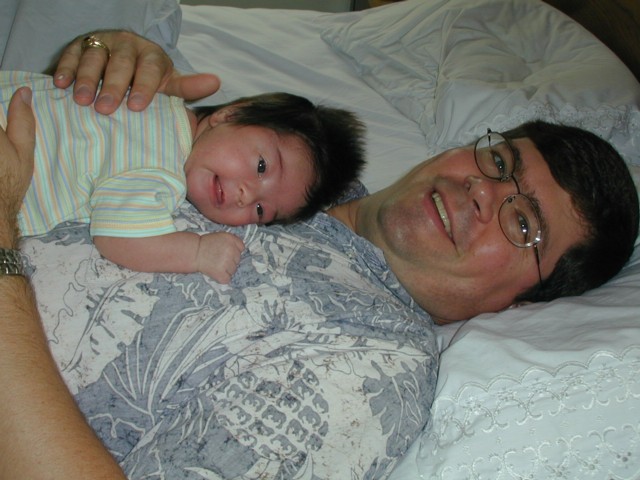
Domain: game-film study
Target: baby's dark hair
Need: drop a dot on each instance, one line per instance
(334, 137)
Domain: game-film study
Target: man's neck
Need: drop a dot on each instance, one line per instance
(362, 216)
(347, 213)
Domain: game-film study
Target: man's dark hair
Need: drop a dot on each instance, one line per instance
(334, 137)
(604, 196)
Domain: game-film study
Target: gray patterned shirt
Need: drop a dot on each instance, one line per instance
(313, 363)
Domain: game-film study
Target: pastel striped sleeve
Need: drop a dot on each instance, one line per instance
(135, 204)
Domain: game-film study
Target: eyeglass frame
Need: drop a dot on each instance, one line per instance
(505, 178)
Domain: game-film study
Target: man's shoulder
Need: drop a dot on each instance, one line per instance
(355, 190)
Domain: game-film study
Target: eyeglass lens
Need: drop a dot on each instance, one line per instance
(518, 218)
(519, 221)
(494, 157)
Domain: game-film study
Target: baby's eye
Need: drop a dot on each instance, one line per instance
(259, 211)
(262, 166)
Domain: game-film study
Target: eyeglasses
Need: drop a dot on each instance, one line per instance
(518, 218)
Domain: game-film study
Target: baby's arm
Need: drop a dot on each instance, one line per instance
(214, 254)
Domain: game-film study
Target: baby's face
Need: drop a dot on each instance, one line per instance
(237, 175)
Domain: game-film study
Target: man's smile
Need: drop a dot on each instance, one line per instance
(437, 199)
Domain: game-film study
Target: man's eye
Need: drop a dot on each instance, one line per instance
(523, 228)
(260, 211)
(499, 163)
(262, 166)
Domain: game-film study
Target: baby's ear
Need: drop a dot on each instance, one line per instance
(221, 116)
(517, 305)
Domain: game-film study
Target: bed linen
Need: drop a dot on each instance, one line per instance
(548, 390)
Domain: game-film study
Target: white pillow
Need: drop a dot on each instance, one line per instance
(541, 391)
(36, 30)
(457, 67)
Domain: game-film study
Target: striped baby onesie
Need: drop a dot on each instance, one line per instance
(122, 173)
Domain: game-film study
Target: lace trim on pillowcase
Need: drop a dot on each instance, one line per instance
(619, 125)
(574, 422)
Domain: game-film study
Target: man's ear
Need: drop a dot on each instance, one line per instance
(222, 115)
(444, 321)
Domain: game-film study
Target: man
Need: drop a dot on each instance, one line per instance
(476, 229)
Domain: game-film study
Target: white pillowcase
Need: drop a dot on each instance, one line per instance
(457, 67)
(547, 391)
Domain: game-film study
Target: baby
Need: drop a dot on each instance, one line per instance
(272, 158)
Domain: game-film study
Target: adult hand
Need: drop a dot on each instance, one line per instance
(17, 146)
(134, 62)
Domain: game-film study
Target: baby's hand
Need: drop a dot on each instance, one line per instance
(219, 255)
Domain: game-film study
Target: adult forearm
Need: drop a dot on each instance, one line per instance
(43, 434)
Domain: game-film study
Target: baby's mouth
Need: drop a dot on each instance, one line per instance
(437, 199)
(218, 192)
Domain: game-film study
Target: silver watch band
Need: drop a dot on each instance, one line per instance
(10, 262)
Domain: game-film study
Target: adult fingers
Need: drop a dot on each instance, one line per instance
(21, 127)
(17, 149)
(84, 68)
(133, 61)
(153, 70)
(65, 71)
(119, 71)
(192, 87)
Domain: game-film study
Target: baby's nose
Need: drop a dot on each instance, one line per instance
(246, 195)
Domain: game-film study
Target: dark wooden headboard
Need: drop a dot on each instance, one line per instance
(615, 22)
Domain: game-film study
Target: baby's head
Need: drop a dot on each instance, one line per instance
(272, 158)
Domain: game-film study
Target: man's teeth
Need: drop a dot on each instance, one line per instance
(442, 212)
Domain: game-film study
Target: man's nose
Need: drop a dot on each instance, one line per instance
(487, 195)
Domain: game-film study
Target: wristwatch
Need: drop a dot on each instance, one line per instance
(10, 262)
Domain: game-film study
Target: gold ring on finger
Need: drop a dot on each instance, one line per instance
(93, 42)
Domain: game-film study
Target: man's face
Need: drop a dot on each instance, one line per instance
(450, 253)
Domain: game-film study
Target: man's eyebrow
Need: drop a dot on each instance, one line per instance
(519, 172)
